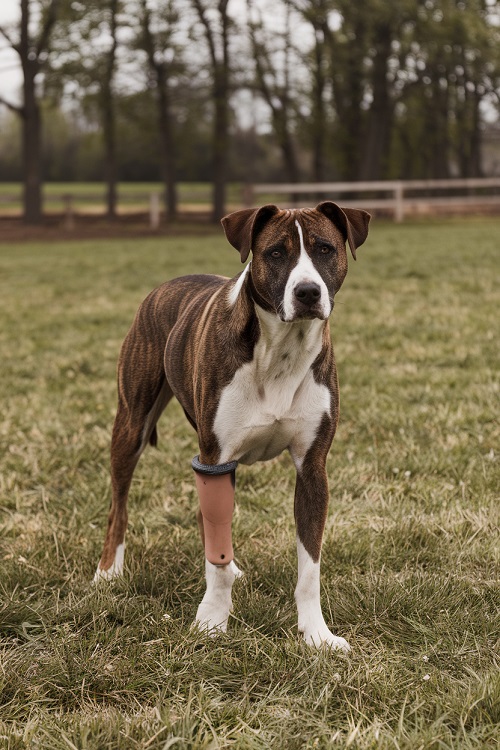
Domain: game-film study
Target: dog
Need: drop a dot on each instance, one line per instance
(251, 362)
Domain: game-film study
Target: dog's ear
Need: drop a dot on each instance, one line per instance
(242, 227)
(352, 221)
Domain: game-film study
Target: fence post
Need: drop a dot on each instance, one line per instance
(398, 203)
(154, 210)
(69, 216)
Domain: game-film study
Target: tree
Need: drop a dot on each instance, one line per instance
(84, 69)
(216, 24)
(346, 47)
(162, 62)
(452, 67)
(316, 12)
(272, 55)
(33, 48)
(107, 105)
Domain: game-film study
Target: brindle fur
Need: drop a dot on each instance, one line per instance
(175, 343)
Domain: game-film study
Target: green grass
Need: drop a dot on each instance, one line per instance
(410, 561)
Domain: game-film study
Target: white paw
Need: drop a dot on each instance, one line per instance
(213, 612)
(319, 636)
(318, 640)
(116, 569)
(211, 617)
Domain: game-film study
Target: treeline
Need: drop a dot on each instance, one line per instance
(248, 90)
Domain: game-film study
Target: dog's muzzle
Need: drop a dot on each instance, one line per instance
(215, 485)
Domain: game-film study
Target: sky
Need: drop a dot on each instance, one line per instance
(10, 72)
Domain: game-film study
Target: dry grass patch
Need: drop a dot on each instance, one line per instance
(410, 563)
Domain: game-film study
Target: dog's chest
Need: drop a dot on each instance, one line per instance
(273, 402)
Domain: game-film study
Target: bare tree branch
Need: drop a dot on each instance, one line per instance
(13, 107)
(47, 27)
(209, 33)
(6, 35)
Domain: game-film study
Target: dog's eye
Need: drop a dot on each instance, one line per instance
(276, 252)
(325, 249)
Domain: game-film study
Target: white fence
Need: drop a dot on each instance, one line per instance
(400, 197)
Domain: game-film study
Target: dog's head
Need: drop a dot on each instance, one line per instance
(299, 258)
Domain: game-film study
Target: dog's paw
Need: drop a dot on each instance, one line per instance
(106, 575)
(320, 636)
(115, 570)
(213, 612)
(211, 618)
(335, 642)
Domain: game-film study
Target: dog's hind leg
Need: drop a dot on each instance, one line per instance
(139, 408)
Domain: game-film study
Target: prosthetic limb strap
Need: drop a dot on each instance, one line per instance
(215, 485)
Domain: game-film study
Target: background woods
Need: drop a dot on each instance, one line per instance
(248, 90)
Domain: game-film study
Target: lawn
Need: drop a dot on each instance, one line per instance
(411, 555)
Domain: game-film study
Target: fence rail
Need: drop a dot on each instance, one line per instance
(94, 203)
(399, 198)
(403, 194)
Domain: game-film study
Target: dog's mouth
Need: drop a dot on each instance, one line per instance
(316, 312)
(304, 315)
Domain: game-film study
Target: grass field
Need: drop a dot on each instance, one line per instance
(411, 554)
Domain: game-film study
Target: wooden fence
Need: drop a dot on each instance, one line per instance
(399, 197)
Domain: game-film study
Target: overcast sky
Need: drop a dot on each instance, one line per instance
(10, 73)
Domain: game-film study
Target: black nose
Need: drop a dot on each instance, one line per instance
(308, 293)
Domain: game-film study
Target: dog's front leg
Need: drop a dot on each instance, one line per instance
(215, 485)
(311, 505)
(215, 607)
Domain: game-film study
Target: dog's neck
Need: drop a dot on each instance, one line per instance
(281, 347)
(285, 350)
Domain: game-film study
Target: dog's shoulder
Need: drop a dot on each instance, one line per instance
(169, 301)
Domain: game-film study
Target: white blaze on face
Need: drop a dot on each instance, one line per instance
(303, 272)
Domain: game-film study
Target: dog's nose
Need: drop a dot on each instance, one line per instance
(308, 293)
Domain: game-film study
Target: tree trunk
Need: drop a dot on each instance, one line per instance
(373, 165)
(288, 149)
(166, 145)
(318, 108)
(109, 135)
(220, 145)
(476, 169)
(219, 57)
(469, 141)
(109, 127)
(437, 113)
(165, 128)
(110, 163)
(31, 139)
(347, 80)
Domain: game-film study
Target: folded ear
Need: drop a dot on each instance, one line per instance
(352, 221)
(242, 227)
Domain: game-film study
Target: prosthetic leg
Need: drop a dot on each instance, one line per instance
(215, 485)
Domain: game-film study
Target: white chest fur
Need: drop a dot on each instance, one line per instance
(273, 402)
